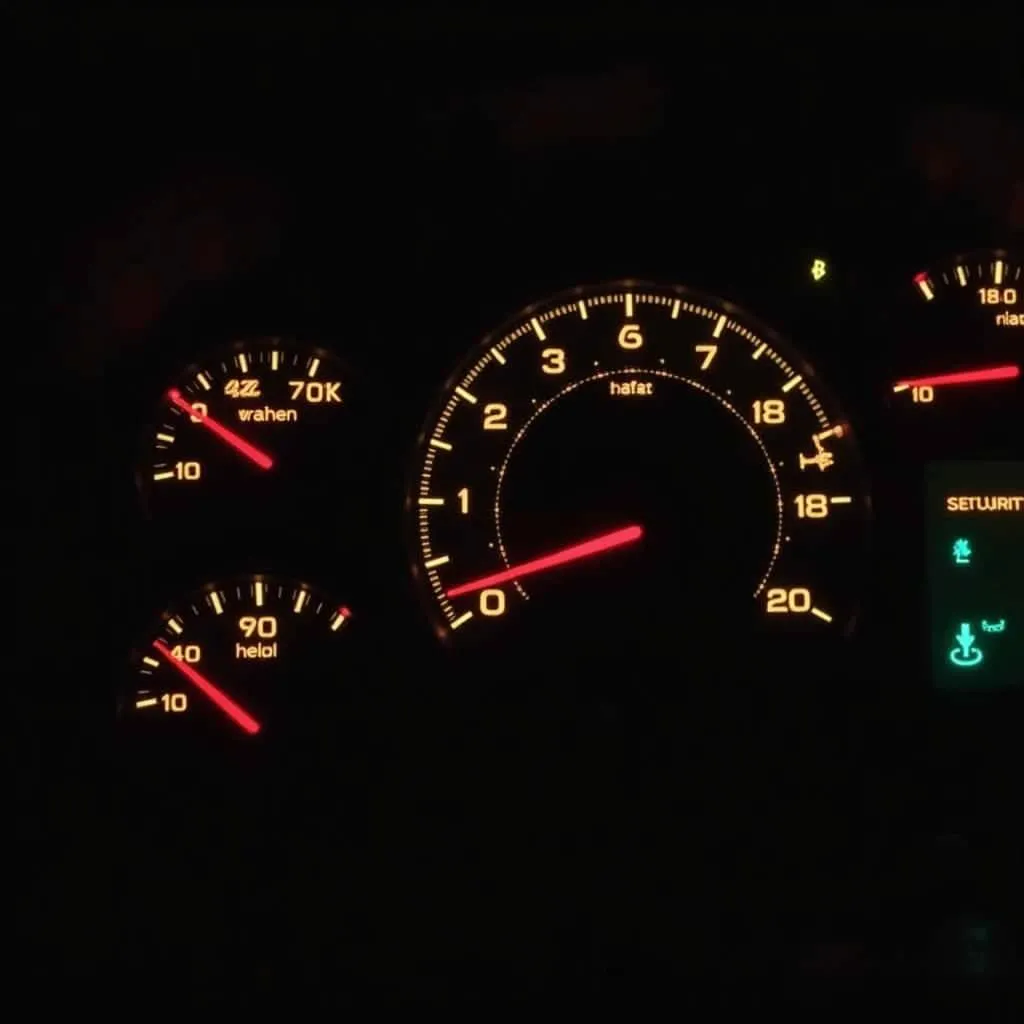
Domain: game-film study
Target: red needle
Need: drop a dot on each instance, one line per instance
(573, 553)
(237, 714)
(1009, 372)
(250, 451)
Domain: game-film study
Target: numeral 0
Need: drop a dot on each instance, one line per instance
(492, 602)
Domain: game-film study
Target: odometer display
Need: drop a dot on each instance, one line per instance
(635, 460)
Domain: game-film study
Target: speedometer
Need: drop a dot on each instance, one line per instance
(633, 461)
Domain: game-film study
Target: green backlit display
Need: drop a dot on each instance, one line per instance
(976, 574)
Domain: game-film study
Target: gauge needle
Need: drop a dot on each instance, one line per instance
(563, 556)
(1009, 372)
(237, 714)
(250, 451)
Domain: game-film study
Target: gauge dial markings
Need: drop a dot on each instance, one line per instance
(242, 647)
(633, 351)
(253, 407)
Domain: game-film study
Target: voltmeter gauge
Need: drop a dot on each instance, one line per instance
(255, 422)
(237, 658)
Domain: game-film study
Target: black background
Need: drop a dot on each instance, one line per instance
(394, 186)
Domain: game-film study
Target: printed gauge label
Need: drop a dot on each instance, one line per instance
(634, 457)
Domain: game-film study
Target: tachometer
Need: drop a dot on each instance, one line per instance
(634, 461)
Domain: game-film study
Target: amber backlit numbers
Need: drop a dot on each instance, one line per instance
(187, 652)
(811, 506)
(495, 416)
(316, 392)
(190, 471)
(922, 394)
(770, 412)
(492, 602)
(552, 360)
(246, 387)
(176, 702)
(630, 337)
(707, 354)
(263, 626)
(998, 296)
(202, 409)
(795, 600)
(463, 496)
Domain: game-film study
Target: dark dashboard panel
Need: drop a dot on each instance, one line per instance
(516, 805)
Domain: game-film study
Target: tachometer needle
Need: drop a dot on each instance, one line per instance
(237, 714)
(563, 556)
(243, 447)
(1009, 372)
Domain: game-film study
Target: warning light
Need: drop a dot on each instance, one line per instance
(962, 551)
(819, 270)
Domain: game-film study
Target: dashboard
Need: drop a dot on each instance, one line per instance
(557, 524)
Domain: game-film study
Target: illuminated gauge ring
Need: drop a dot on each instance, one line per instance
(520, 467)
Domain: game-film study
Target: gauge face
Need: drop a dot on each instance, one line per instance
(629, 462)
(253, 420)
(967, 320)
(232, 658)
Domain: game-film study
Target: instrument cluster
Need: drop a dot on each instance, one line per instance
(634, 480)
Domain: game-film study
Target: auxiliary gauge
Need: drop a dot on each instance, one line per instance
(254, 423)
(236, 658)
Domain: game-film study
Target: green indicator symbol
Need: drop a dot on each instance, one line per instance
(962, 551)
(993, 627)
(965, 654)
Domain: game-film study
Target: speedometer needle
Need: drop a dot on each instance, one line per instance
(563, 556)
(237, 714)
(250, 451)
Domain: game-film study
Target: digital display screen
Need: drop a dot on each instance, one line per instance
(976, 574)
